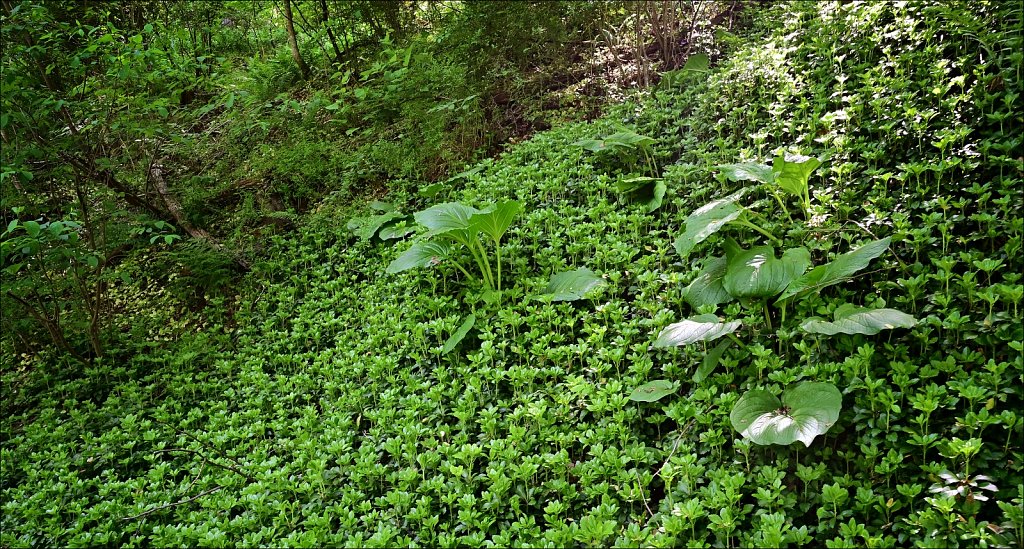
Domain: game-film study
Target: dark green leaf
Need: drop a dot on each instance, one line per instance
(836, 271)
(458, 335)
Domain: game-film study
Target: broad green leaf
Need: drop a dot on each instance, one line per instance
(793, 171)
(458, 335)
(653, 391)
(382, 207)
(629, 139)
(807, 410)
(697, 63)
(366, 227)
(748, 171)
(592, 145)
(32, 228)
(850, 319)
(710, 362)
(12, 225)
(634, 183)
(449, 216)
(493, 222)
(707, 220)
(421, 254)
(707, 288)
(396, 230)
(660, 188)
(836, 271)
(431, 190)
(757, 273)
(573, 285)
(692, 330)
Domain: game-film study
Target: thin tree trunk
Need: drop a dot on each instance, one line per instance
(330, 33)
(292, 43)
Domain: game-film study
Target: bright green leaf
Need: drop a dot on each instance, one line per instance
(836, 271)
(707, 220)
(698, 328)
(458, 335)
(573, 285)
(420, 254)
(807, 410)
(757, 273)
(653, 391)
(850, 319)
(748, 171)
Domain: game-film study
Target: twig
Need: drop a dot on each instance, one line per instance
(206, 460)
(640, 485)
(179, 502)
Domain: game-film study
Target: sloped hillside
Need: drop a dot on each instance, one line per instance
(347, 400)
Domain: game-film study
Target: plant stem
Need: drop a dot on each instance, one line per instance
(750, 225)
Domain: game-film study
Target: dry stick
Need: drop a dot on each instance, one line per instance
(206, 460)
(640, 485)
(204, 445)
(179, 502)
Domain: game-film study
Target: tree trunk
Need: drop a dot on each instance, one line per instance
(175, 209)
(330, 33)
(292, 43)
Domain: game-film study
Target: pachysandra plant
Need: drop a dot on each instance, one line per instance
(453, 225)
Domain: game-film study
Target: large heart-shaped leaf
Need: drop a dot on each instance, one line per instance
(628, 139)
(850, 319)
(445, 217)
(632, 184)
(807, 410)
(648, 190)
(757, 273)
(653, 391)
(420, 254)
(838, 270)
(706, 221)
(698, 328)
(493, 222)
(458, 335)
(572, 285)
(792, 172)
(748, 171)
(707, 288)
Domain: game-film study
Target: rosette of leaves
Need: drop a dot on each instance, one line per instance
(806, 410)
(453, 226)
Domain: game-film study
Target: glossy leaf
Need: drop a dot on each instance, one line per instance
(653, 391)
(707, 220)
(446, 217)
(806, 410)
(692, 330)
(793, 171)
(707, 288)
(710, 362)
(421, 254)
(758, 273)
(850, 319)
(573, 285)
(458, 335)
(493, 222)
(836, 271)
(748, 171)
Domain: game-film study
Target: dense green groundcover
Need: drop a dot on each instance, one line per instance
(319, 407)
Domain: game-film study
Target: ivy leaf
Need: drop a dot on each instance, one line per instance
(807, 410)
(835, 271)
(707, 220)
(757, 273)
(421, 254)
(458, 335)
(692, 330)
(573, 285)
(653, 391)
(850, 319)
